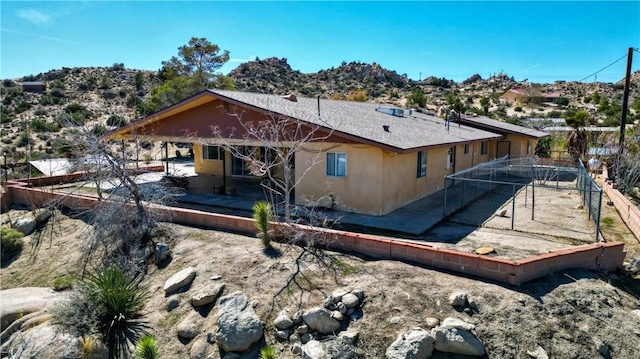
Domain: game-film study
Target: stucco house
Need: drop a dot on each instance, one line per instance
(528, 95)
(370, 158)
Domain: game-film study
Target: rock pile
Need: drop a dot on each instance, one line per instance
(237, 328)
(452, 335)
(320, 330)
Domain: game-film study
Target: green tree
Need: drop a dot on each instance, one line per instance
(192, 71)
(417, 97)
(577, 140)
(484, 102)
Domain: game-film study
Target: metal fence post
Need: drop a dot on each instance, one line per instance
(598, 218)
(513, 206)
(444, 209)
(533, 200)
(590, 194)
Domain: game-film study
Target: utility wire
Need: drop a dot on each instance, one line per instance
(602, 69)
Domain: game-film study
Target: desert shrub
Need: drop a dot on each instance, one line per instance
(146, 157)
(607, 221)
(6, 116)
(117, 66)
(117, 121)
(261, 218)
(147, 348)
(63, 283)
(562, 101)
(23, 140)
(105, 83)
(107, 302)
(357, 95)
(98, 130)
(10, 243)
(40, 125)
(109, 95)
(57, 93)
(40, 112)
(268, 352)
(147, 145)
(518, 109)
(22, 107)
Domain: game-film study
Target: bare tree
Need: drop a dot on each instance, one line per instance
(274, 140)
(122, 225)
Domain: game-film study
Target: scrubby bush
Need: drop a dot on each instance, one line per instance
(63, 283)
(22, 107)
(10, 243)
(98, 130)
(23, 140)
(268, 352)
(40, 125)
(147, 348)
(518, 109)
(117, 121)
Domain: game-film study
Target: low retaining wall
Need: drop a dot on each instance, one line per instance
(598, 256)
(629, 212)
(78, 176)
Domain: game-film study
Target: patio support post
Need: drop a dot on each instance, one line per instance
(513, 206)
(166, 155)
(224, 171)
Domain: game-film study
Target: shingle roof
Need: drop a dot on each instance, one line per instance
(502, 127)
(360, 119)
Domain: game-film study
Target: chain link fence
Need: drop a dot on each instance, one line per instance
(527, 194)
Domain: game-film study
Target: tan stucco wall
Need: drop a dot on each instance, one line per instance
(378, 181)
(210, 167)
(358, 192)
(519, 145)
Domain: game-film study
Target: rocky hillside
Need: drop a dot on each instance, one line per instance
(274, 75)
(102, 98)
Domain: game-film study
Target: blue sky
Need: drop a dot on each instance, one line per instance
(540, 41)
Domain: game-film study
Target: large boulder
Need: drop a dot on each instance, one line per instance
(207, 295)
(350, 300)
(180, 280)
(320, 320)
(417, 344)
(457, 323)
(457, 341)
(314, 350)
(283, 321)
(458, 299)
(238, 325)
(190, 326)
(25, 225)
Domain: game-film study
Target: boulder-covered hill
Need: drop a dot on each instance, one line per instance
(93, 95)
(274, 75)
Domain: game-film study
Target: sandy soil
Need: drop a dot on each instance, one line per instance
(566, 313)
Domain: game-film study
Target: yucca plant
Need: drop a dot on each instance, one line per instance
(119, 302)
(261, 218)
(268, 352)
(147, 348)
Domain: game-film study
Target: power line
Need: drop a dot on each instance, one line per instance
(602, 69)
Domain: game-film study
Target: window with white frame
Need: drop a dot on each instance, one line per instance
(484, 148)
(212, 152)
(422, 164)
(528, 147)
(337, 164)
(466, 148)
